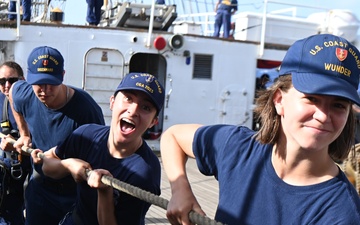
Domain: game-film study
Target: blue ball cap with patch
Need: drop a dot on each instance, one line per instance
(146, 83)
(324, 64)
(45, 66)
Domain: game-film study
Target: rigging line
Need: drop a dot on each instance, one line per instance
(133, 191)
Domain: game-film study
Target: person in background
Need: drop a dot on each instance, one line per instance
(118, 150)
(357, 124)
(224, 10)
(26, 9)
(49, 110)
(14, 166)
(261, 82)
(93, 15)
(160, 2)
(259, 86)
(285, 173)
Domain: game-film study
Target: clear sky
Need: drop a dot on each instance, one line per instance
(75, 10)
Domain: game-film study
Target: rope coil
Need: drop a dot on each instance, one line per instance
(149, 197)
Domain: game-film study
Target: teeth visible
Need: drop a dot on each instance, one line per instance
(128, 121)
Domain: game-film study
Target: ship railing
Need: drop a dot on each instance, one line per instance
(138, 15)
(293, 9)
(4, 12)
(203, 21)
(206, 20)
(4, 6)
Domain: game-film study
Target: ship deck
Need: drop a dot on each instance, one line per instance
(205, 189)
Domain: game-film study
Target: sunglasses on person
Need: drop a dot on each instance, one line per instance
(11, 80)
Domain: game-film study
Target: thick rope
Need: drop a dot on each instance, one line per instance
(357, 166)
(149, 197)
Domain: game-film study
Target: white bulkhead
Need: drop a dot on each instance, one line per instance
(206, 80)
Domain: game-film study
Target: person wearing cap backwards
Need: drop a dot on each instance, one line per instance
(284, 173)
(49, 110)
(118, 151)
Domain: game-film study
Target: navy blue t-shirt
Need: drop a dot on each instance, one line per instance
(141, 169)
(252, 193)
(49, 127)
(10, 114)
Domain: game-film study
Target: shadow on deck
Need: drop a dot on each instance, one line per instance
(205, 189)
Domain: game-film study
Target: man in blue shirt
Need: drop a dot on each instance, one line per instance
(49, 110)
(118, 150)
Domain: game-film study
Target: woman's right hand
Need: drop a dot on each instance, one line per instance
(181, 203)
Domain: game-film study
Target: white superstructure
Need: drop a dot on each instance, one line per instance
(207, 80)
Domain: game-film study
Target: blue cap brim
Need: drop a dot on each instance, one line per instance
(310, 83)
(43, 78)
(142, 90)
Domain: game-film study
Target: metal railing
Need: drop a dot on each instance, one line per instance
(206, 20)
(5, 12)
(293, 9)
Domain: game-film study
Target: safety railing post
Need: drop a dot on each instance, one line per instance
(263, 30)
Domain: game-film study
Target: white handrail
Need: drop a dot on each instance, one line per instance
(18, 16)
(151, 24)
(263, 30)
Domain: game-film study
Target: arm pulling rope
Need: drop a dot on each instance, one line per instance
(134, 191)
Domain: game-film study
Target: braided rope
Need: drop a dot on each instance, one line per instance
(134, 191)
(152, 198)
(357, 167)
(351, 167)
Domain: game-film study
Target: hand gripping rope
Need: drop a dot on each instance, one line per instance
(149, 197)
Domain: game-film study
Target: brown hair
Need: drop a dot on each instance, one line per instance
(265, 112)
(15, 66)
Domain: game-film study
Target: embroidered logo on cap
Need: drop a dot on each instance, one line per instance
(341, 54)
(149, 79)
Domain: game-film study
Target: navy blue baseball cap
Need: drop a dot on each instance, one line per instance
(324, 64)
(146, 83)
(45, 66)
